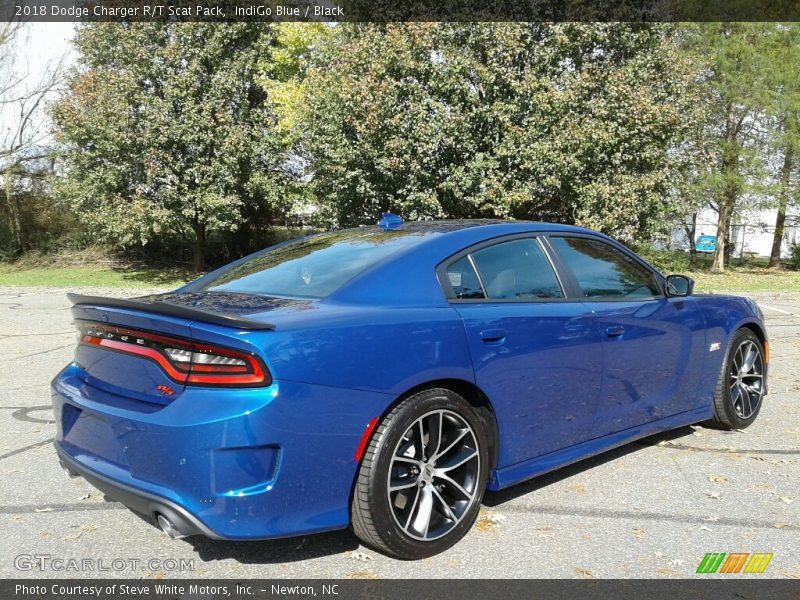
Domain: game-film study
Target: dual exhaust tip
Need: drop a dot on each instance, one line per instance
(168, 527)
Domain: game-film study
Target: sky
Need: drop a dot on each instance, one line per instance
(38, 47)
(46, 42)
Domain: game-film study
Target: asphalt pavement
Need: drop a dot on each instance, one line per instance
(649, 509)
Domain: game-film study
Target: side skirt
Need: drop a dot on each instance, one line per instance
(540, 465)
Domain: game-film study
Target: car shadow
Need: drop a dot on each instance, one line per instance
(283, 550)
(493, 499)
(319, 545)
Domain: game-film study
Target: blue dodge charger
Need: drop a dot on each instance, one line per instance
(383, 377)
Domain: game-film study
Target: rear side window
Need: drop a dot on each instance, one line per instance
(513, 270)
(602, 271)
(517, 270)
(463, 280)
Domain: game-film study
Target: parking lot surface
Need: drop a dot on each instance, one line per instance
(649, 509)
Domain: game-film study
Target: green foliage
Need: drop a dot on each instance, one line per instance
(794, 259)
(567, 122)
(164, 131)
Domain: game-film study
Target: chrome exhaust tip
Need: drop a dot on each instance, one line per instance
(168, 528)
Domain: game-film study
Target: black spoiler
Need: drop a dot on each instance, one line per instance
(172, 310)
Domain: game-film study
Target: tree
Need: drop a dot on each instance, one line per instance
(735, 59)
(569, 122)
(23, 134)
(164, 129)
(785, 109)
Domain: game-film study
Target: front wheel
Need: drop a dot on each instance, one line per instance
(741, 384)
(420, 484)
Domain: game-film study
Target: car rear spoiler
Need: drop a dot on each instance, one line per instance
(172, 310)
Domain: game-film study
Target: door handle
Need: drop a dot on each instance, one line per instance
(493, 335)
(615, 331)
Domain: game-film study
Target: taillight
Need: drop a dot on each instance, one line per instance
(183, 360)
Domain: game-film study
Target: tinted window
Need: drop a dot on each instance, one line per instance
(463, 279)
(312, 267)
(517, 270)
(603, 271)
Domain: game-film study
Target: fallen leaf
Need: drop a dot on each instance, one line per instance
(638, 532)
(712, 518)
(362, 556)
(581, 489)
(362, 575)
(713, 495)
(717, 478)
(584, 573)
(786, 499)
(488, 519)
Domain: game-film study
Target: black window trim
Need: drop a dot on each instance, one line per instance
(573, 289)
(537, 237)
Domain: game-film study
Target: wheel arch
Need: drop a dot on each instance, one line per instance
(472, 394)
(757, 329)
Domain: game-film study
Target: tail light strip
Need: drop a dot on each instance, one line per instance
(182, 360)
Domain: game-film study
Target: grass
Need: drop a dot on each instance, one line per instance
(746, 279)
(751, 276)
(91, 276)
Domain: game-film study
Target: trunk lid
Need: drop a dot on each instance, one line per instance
(129, 347)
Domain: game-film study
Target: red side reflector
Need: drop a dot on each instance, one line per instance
(365, 438)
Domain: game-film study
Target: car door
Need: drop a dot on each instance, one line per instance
(652, 345)
(536, 355)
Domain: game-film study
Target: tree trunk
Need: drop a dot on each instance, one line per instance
(199, 246)
(780, 220)
(14, 221)
(725, 211)
(691, 234)
(729, 248)
(730, 193)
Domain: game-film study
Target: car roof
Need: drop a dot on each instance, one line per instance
(396, 280)
(454, 225)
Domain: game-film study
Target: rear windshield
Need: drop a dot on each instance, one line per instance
(313, 267)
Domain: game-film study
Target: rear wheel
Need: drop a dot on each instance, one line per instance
(740, 388)
(423, 475)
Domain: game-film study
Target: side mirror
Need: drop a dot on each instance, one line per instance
(679, 286)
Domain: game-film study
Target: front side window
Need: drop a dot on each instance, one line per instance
(513, 270)
(602, 271)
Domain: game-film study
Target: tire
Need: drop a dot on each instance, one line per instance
(739, 394)
(412, 521)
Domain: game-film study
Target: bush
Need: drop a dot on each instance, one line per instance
(794, 258)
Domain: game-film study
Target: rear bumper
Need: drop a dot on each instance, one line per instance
(235, 464)
(142, 502)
